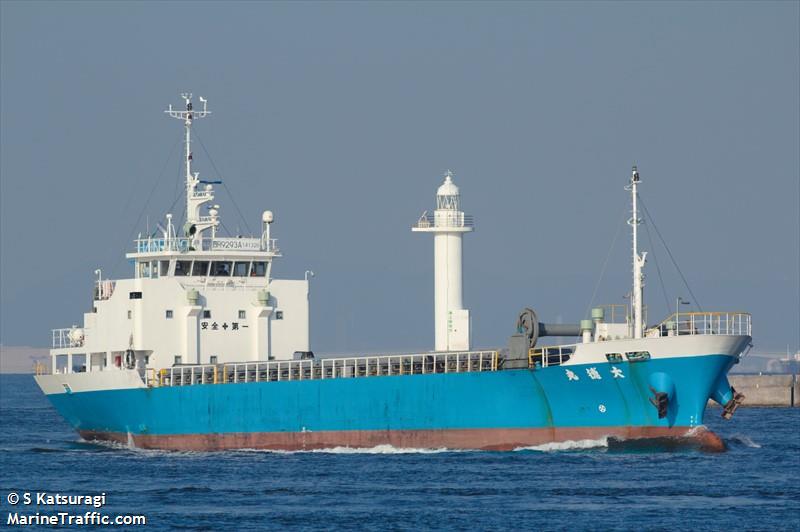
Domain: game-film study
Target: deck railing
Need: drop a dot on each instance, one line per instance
(65, 338)
(616, 313)
(711, 323)
(550, 356)
(103, 289)
(326, 368)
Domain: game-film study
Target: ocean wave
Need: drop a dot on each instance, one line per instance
(696, 431)
(50, 450)
(378, 449)
(105, 443)
(130, 447)
(569, 445)
(744, 440)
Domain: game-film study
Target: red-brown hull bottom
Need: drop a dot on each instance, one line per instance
(484, 439)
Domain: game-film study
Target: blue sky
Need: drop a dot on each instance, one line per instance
(342, 117)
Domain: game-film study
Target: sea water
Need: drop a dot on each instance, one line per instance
(590, 484)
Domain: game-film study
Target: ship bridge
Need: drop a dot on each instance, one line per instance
(240, 257)
(197, 296)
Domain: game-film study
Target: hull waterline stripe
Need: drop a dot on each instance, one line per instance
(483, 439)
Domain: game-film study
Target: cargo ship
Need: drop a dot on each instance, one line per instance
(202, 349)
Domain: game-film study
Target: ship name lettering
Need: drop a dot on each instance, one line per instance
(593, 374)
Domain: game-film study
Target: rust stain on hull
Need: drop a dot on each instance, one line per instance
(479, 439)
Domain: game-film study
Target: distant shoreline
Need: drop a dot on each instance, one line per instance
(21, 359)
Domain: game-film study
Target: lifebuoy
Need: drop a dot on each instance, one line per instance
(130, 359)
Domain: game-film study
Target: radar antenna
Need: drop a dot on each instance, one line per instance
(188, 115)
(194, 199)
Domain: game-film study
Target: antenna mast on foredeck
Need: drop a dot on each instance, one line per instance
(195, 224)
(638, 259)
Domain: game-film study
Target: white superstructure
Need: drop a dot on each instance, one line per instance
(448, 224)
(195, 297)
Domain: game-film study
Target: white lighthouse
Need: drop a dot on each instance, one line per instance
(448, 223)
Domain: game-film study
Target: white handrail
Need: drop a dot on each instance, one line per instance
(326, 368)
(63, 338)
(705, 323)
(445, 219)
(550, 355)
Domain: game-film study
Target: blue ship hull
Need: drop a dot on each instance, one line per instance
(501, 409)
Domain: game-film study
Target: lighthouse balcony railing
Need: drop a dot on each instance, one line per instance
(183, 245)
(704, 323)
(66, 338)
(445, 219)
(326, 368)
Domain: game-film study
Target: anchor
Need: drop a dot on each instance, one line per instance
(660, 400)
(730, 407)
(727, 397)
(663, 390)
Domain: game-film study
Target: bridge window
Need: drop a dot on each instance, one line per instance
(220, 268)
(240, 269)
(164, 268)
(168, 314)
(200, 268)
(144, 270)
(614, 357)
(258, 269)
(182, 268)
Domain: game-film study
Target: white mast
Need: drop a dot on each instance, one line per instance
(195, 224)
(637, 294)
